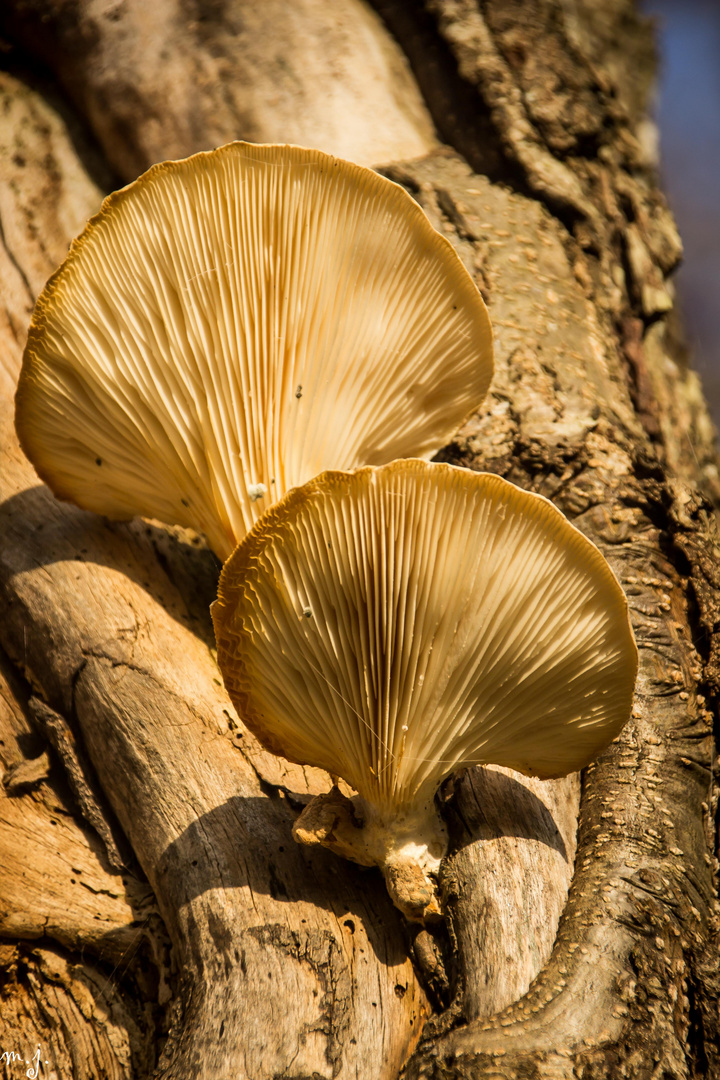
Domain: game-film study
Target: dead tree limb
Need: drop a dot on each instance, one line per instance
(284, 962)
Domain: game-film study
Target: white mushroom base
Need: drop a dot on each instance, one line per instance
(407, 846)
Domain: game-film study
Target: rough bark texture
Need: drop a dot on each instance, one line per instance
(156, 913)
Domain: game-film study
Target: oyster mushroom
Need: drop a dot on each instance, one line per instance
(230, 325)
(398, 623)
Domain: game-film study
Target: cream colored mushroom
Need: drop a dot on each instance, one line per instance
(398, 623)
(230, 325)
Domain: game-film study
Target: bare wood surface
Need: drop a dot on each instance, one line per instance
(531, 862)
(159, 81)
(66, 1018)
(46, 195)
(506, 887)
(238, 897)
(55, 883)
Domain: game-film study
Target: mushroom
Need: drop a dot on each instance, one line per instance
(398, 623)
(230, 325)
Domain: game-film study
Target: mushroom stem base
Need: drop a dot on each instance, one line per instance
(408, 847)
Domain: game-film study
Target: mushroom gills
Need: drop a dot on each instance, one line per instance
(230, 325)
(454, 620)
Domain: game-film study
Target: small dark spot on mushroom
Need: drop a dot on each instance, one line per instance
(98, 461)
(298, 392)
(350, 925)
(400, 990)
(184, 502)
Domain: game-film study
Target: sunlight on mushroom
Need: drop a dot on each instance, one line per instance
(398, 623)
(230, 325)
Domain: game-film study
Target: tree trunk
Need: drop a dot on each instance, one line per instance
(157, 917)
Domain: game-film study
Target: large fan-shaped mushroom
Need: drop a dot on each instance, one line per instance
(230, 325)
(398, 623)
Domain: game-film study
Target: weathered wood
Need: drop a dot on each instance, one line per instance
(88, 799)
(593, 407)
(563, 422)
(65, 1018)
(506, 886)
(46, 195)
(166, 80)
(55, 884)
(565, 115)
(319, 957)
(40, 842)
(243, 904)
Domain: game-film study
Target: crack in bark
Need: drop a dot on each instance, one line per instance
(86, 791)
(13, 259)
(320, 951)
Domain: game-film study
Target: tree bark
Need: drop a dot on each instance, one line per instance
(158, 918)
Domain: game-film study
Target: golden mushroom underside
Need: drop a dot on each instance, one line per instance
(398, 623)
(230, 325)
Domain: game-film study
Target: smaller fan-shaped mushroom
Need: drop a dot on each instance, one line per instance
(398, 623)
(230, 325)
